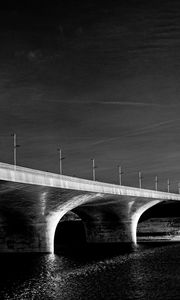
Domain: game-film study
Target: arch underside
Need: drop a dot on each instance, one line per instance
(112, 221)
(70, 233)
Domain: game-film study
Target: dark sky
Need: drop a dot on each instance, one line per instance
(99, 81)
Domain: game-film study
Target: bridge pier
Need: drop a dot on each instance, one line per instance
(109, 222)
(21, 238)
(110, 232)
(114, 220)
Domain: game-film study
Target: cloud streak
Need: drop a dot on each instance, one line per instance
(146, 129)
(120, 103)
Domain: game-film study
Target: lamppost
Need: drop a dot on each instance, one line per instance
(156, 183)
(120, 174)
(93, 169)
(15, 146)
(140, 179)
(60, 161)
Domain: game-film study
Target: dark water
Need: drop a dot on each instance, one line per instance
(150, 272)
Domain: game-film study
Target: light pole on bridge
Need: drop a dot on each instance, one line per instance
(93, 169)
(60, 161)
(140, 179)
(15, 146)
(156, 183)
(120, 173)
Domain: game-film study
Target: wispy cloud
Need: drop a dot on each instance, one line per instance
(112, 102)
(146, 129)
(129, 103)
(152, 127)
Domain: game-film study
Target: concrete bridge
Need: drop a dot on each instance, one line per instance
(32, 203)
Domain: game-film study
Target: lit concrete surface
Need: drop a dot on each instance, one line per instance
(29, 176)
(32, 203)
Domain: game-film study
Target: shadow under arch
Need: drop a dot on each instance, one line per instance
(70, 233)
(160, 223)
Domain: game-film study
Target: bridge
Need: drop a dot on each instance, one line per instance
(33, 202)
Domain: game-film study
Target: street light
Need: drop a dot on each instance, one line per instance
(15, 146)
(156, 183)
(140, 179)
(93, 169)
(120, 173)
(60, 160)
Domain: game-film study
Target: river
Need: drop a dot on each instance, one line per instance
(152, 271)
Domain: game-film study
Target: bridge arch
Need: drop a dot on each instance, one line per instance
(54, 217)
(106, 219)
(69, 233)
(136, 215)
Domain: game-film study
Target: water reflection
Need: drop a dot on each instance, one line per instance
(148, 272)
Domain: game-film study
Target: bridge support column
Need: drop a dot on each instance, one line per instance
(120, 231)
(18, 238)
(41, 238)
(109, 222)
(114, 221)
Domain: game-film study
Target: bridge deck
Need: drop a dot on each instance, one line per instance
(23, 175)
